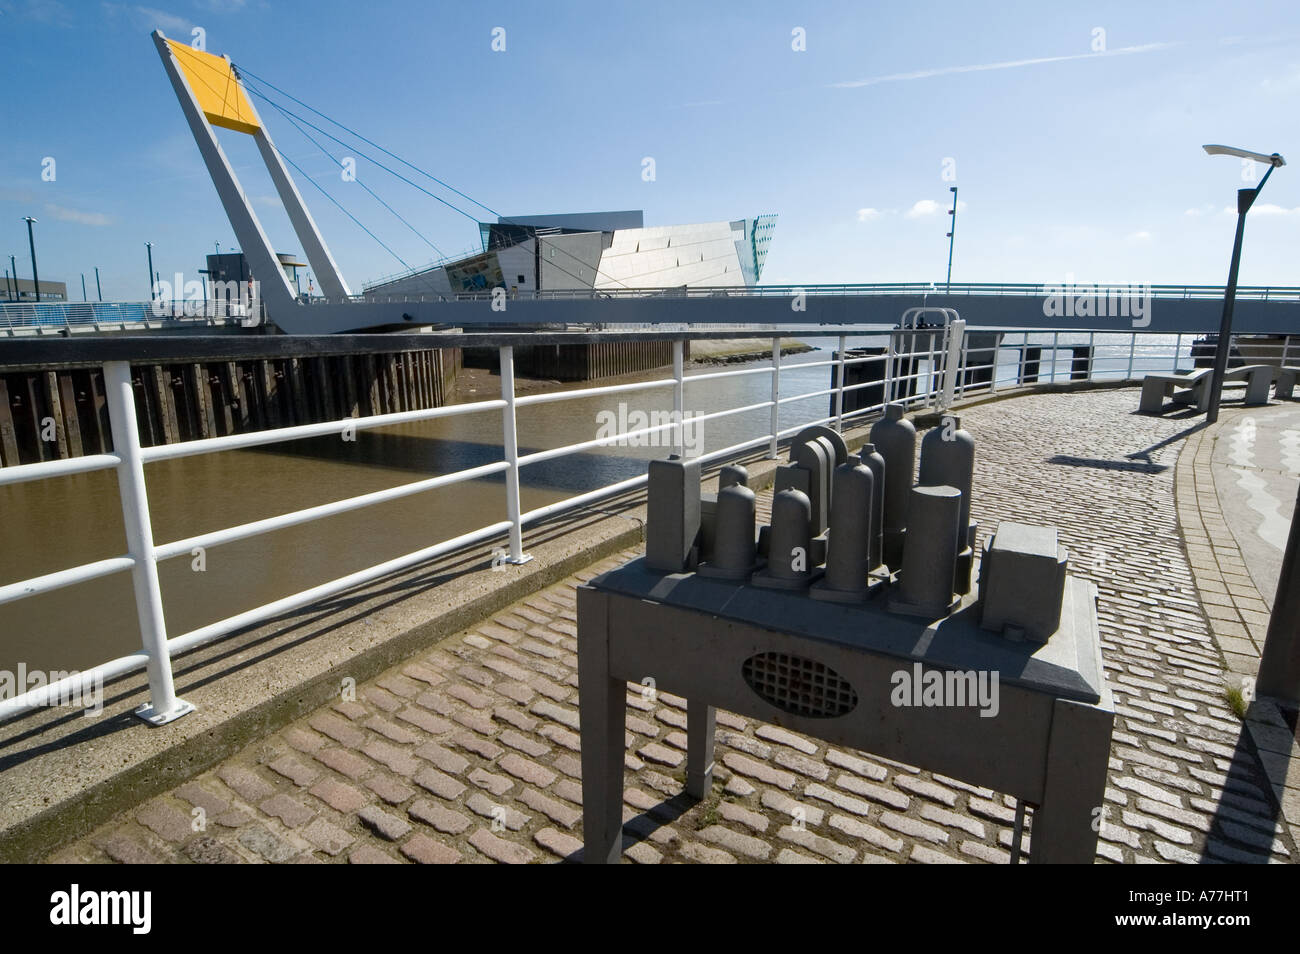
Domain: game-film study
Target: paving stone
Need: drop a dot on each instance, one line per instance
(294, 770)
(736, 843)
(270, 847)
(166, 821)
(344, 733)
(556, 811)
(444, 759)
(816, 843)
(344, 762)
(526, 770)
(130, 851)
(441, 784)
(758, 770)
(390, 790)
(694, 851)
(856, 765)
(913, 828)
(496, 784)
(877, 793)
(327, 836)
(783, 737)
(289, 810)
(498, 849)
(370, 855)
(500, 814)
(446, 820)
(249, 786)
(207, 850)
(558, 843)
(387, 826)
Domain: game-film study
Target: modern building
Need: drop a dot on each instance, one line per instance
(233, 267)
(26, 291)
(595, 250)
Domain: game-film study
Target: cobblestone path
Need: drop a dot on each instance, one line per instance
(469, 752)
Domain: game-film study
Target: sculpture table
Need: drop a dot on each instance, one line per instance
(831, 671)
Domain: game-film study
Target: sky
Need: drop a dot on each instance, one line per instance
(1073, 132)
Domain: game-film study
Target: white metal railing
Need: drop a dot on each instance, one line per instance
(921, 367)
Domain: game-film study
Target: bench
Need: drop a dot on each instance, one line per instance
(1285, 382)
(1156, 387)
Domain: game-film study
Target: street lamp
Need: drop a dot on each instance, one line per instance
(149, 247)
(1245, 199)
(953, 213)
(99, 292)
(31, 244)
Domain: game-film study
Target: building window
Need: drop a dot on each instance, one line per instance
(521, 279)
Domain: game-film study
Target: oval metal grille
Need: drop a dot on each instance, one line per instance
(799, 686)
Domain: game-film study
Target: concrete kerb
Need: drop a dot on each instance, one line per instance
(1198, 503)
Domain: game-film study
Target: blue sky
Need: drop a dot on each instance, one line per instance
(1071, 160)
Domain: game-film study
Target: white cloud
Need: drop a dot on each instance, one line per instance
(866, 214)
(1269, 208)
(927, 207)
(73, 215)
(1142, 236)
(1003, 65)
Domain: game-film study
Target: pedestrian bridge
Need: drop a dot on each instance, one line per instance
(1186, 309)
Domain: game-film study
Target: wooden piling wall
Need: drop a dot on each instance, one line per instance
(55, 414)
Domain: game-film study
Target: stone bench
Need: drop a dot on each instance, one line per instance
(1285, 382)
(1157, 387)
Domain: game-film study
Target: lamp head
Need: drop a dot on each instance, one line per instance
(1272, 159)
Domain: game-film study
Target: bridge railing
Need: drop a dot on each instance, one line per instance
(1252, 292)
(925, 367)
(15, 316)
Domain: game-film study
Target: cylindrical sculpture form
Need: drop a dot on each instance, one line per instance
(948, 459)
(895, 439)
(790, 540)
(850, 535)
(734, 552)
(871, 458)
(930, 560)
(732, 474)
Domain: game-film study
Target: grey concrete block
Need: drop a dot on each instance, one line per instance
(1022, 581)
(672, 513)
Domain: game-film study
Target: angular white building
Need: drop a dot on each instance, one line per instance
(595, 250)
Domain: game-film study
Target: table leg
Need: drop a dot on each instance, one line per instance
(602, 715)
(1078, 754)
(701, 723)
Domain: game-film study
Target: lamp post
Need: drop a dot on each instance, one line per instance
(953, 226)
(83, 287)
(99, 292)
(31, 244)
(13, 270)
(1245, 199)
(149, 247)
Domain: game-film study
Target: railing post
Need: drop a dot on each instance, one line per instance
(1132, 347)
(1178, 346)
(510, 446)
(1056, 336)
(953, 360)
(839, 391)
(1024, 346)
(163, 706)
(993, 374)
(1092, 351)
(679, 399)
(776, 396)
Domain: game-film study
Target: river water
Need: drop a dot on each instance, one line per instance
(55, 524)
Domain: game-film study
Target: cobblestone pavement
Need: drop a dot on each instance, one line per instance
(470, 751)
